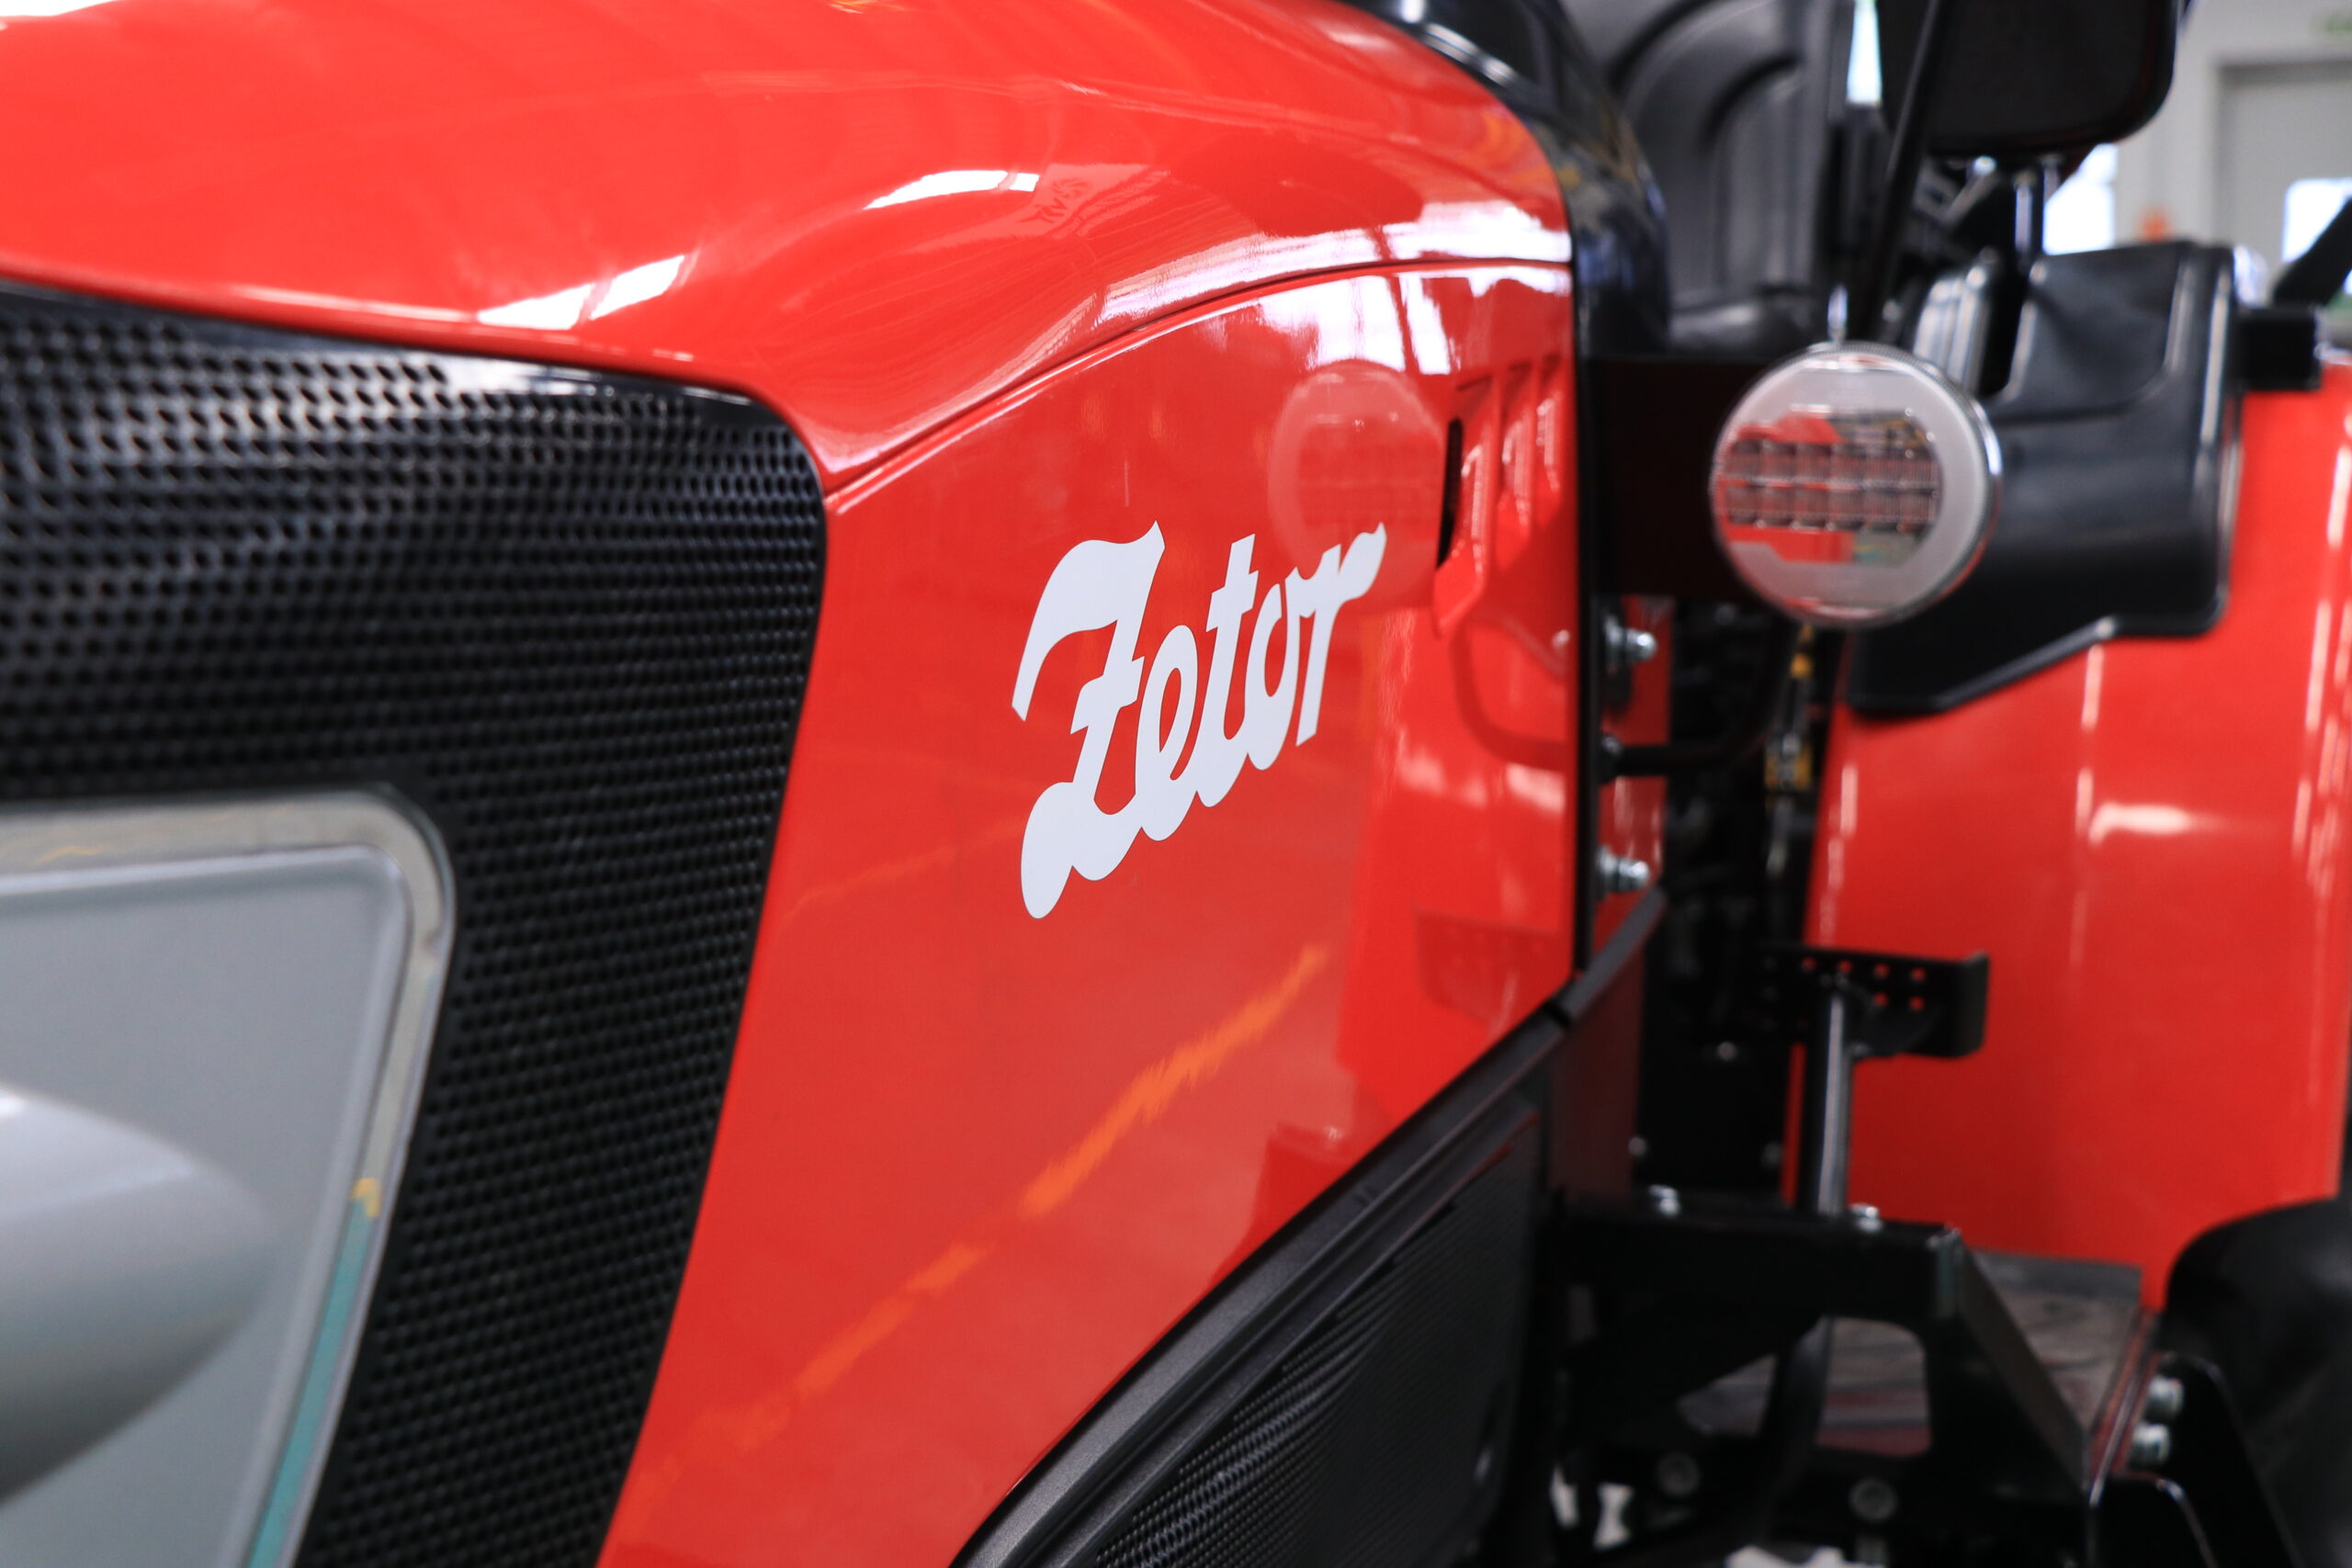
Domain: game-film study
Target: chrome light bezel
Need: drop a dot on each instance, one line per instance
(1901, 570)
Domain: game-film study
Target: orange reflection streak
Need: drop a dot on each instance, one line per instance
(889, 872)
(843, 1350)
(1144, 1101)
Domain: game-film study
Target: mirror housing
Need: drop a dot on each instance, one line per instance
(2029, 79)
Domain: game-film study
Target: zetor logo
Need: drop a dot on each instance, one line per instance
(1100, 583)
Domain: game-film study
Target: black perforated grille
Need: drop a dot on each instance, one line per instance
(1374, 1443)
(570, 617)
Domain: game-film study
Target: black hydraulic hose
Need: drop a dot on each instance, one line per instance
(1793, 1415)
(1799, 1394)
(1785, 1443)
(1866, 301)
(1801, 1373)
(1736, 743)
(2316, 276)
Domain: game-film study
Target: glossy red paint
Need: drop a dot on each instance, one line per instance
(1023, 275)
(2154, 842)
(872, 214)
(974, 1161)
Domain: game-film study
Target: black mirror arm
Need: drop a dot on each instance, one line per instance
(2313, 277)
(1874, 280)
(2034, 189)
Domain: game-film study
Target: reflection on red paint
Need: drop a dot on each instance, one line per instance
(2150, 841)
(871, 216)
(975, 1162)
(1023, 275)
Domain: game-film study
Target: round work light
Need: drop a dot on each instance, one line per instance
(1854, 486)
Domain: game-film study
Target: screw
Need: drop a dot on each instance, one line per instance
(1678, 1476)
(1865, 1217)
(2164, 1398)
(1726, 1051)
(1666, 1200)
(1623, 647)
(1771, 1155)
(1873, 1500)
(1563, 1501)
(2150, 1445)
(1622, 873)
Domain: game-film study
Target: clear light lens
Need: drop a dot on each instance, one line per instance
(1854, 486)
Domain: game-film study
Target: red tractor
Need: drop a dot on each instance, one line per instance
(1073, 783)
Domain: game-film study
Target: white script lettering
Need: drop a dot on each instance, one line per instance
(1101, 584)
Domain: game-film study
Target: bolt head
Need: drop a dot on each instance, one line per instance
(2151, 1445)
(2164, 1398)
(1624, 647)
(1873, 1500)
(1865, 1217)
(1666, 1199)
(1678, 1476)
(1623, 873)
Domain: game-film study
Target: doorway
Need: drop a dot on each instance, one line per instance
(2285, 153)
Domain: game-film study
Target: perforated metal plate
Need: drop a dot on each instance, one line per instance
(569, 617)
(1376, 1442)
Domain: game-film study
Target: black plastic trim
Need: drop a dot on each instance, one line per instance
(1616, 955)
(2280, 347)
(2266, 1300)
(1115, 1453)
(1734, 103)
(1655, 419)
(1143, 1429)
(1529, 55)
(2117, 431)
(2013, 63)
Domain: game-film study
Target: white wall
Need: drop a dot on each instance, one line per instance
(2165, 181)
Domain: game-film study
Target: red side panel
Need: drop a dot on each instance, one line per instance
(977, 1157)
(2151, 840)
(870, 213)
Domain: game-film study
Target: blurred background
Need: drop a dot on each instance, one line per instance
(2253, 148)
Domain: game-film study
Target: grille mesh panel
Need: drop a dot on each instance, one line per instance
(568, 614)
(1374, 1443)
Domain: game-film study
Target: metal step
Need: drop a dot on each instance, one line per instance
(2084, 1321)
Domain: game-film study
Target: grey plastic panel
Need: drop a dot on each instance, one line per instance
(212, 1024)
(126, 1263)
